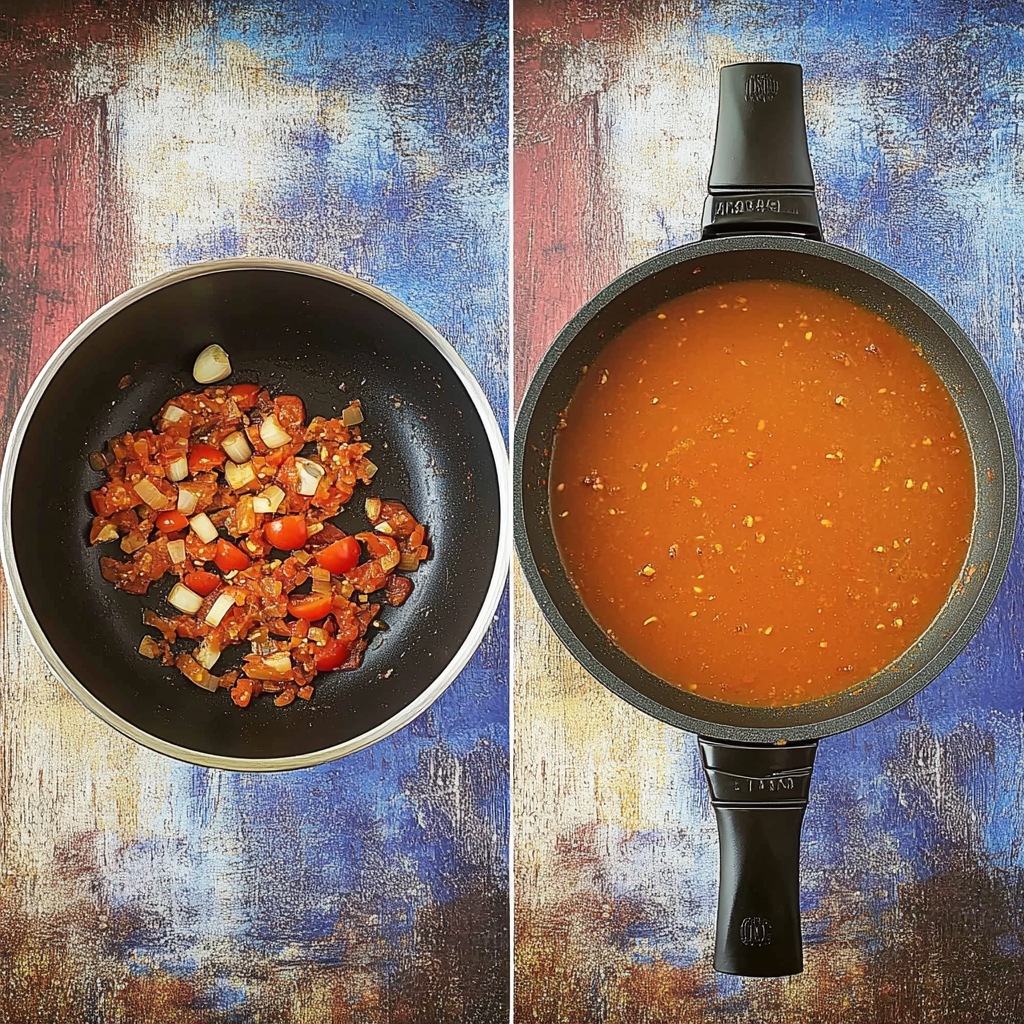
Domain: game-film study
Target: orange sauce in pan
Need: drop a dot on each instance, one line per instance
(763, 493)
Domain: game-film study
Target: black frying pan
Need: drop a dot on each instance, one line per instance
(298, 329)
(761, 222)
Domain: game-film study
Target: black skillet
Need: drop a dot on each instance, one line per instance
(761, 222)
(297, 329)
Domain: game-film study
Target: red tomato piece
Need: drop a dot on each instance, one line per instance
(310, 606)
(202, 582)
(340, 556)
(204, 457)
(333, 655)
(244, 395)
(229, 557)
(286, 533)
(171, 522)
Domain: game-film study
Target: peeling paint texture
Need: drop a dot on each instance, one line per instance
(913, 859)
(372, 138)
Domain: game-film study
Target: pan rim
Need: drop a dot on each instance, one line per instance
(954, 644)
(499, 572)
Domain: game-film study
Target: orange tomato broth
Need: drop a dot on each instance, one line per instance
(762, 492)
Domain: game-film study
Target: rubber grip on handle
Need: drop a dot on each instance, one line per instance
(760, 795)
(761, 178)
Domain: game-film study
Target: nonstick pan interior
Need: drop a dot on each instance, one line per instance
(296, 333)
(864, 282)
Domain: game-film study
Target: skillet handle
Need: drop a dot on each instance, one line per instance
(761, 179)
(759, 794)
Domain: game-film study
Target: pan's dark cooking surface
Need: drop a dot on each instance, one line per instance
(295, 333)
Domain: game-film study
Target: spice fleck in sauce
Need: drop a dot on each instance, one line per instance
(763, 493)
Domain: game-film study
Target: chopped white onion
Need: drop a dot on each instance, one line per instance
(178, 469)
(385, 528)
(150, 494)
(220, 608)
(239, 476)
(237, 447)
(212, 364)
(185, 600)
(310, 475)
(176, 551)
(321, 580)
(204, 528)
(352, 416)
(372, 506)
(207, 653)
(172, 414)
(268, 500)
(390, 560)
(187, 500)
(272, 433)
(371, 469)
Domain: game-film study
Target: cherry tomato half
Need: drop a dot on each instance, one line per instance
(286, 533)
(202, 582)
(244, 395)
(310, 606)
(332, 655)
(229, 557)
(171, 522)
(340, 556)
(204, 457)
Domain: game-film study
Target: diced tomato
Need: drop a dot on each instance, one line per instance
(204, 457)
(332, 655)
(229, 557)
(171, 522)
(99, 504)
(310, 606)
(202, 582)
(244, 395)
(286, 533)
(340, 556)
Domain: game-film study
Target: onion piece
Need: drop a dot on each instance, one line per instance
(220, 608)
(352, 415)
(149, 648)
(409, 562)
(187, 500)
(371, 469)
(172, 414)
(204, 528)
(237, 447)
(318, 635)
(372, 506)
(390, 560)
(212, 364)
(185, 600)
(178, 469)
(384, 527)
(321, 580)
(272, 667)
(176, 551)
(239, 476)
(310, 475)
(268, 500)
(272, 433)
(207, 653)
(150, 494)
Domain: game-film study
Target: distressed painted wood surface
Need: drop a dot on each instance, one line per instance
(913, 859)
(139, 136)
